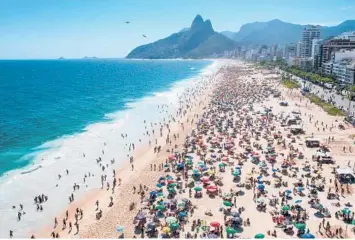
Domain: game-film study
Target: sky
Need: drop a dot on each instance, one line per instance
(41, 29)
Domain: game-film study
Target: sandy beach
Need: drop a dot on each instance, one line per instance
(225, 164)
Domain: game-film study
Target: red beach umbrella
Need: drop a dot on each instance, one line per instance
(211, 190)
(171, 157)
(205, 179)
(215, 224)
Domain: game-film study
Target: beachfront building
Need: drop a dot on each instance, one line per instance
(342, 66)
(330, 47)
(298, 49)
(308, 34)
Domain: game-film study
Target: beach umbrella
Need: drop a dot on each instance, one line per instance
(236, 173)
(231, 230)
(288, 191)
(160, 207)
(196, 172)
(182, 214)
(198, 189)
(237, 219)
(285, 208)
(215, 224)
(307, 236)
(259, 177)
(259, 236)
(346, 211)
(212, 235)
(152, 225)
(119, 229)
(235, 214)
(171, 220)
(300, 189)
(318, 206)
(260, 200)
(222, 165)
(159, 185)
(181, 204)
(160, 194)
(174, 226)
(274, 170)
(171, 190)
(172, 184)
(227, 204)
(166, 230)
(261, 187)
(298, 201)
(300, 226)
(205, 179)
(171, 156)
(153, 193)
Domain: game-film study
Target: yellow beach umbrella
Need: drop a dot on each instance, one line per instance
(166, 230)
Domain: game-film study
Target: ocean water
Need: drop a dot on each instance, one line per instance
(53, 111)
(42, 100)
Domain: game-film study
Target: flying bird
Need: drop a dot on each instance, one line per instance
(144, 36)
(127, 22)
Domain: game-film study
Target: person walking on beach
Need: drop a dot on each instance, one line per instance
(11, 234)
(55, 222)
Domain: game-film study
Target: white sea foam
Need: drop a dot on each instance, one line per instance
(54, 157)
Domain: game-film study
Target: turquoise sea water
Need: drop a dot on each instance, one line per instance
(41, 100)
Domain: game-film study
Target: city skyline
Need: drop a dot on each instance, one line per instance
(74, 29)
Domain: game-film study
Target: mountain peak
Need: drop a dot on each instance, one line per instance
(198, 20)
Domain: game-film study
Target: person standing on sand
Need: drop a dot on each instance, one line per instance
(55, 222)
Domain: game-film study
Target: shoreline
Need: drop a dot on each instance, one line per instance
(90, 192)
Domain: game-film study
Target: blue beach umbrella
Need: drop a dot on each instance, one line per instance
(274, 170)
(159, 185)
(182, 214)
(120, 229)
(307, 236)
(298, 201)
(261, 187)
(153, 193)
(300, 189)
(259, 177)
(288, 191)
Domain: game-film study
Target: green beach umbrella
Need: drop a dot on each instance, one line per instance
(181, 204)
(346, 211)
(231, 230)
(259, 236)
(300, 226)
(159, 207)
(174, 226)
(171, 190)
(171, 220)
(227, 204)
(189, 162)
(198, 189)
(285, 208)
(160, 194)
(236, 173)
(172, 184)
(222, 165)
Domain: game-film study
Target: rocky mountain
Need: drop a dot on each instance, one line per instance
(198, 41)
(279, 32)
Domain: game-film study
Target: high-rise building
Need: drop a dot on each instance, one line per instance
(329, 48)
(308, 34)
(298, 49)
(290, 51)
(316, 53)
